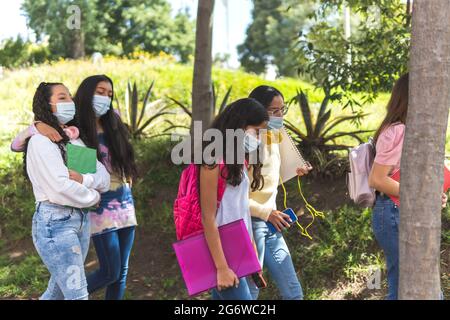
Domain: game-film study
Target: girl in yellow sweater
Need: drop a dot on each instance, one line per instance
(272, 248)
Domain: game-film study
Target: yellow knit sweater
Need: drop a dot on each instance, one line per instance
(263, 202)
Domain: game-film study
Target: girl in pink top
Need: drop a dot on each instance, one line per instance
(389, 146)
(385, 216)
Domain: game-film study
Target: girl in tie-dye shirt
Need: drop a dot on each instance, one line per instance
(116, 208)
(113, 223)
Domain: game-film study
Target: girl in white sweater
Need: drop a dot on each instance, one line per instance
(60, 225)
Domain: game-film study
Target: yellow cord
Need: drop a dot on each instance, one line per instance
(285, 195)
(314, 213)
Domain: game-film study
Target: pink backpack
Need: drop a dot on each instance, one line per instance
(186, 209)
(361, 161)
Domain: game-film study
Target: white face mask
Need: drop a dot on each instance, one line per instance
(65, 111)
(251, 143)
(101, 105)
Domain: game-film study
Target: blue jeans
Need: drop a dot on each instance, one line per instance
(242, 292)
(61, 237)
(274, 254)
(385, 223)
(113, 251)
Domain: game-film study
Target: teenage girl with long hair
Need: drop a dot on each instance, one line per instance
(385, 216)
(60, 227)
(113, 223)
(273, 252)
(249, 116)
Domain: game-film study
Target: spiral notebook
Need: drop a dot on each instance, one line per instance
(291, 158)
(197, 265)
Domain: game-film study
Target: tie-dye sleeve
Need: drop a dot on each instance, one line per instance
(18, 144)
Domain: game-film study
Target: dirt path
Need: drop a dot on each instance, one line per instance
(153, 269)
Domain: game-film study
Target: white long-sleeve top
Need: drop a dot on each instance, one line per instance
(50, 176)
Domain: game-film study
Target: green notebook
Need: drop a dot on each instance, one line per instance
(81, 159)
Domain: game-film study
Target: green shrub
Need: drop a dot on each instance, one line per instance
(157, 185)
(22, 279)
(17, 52)
(16, 198)
(342, 249)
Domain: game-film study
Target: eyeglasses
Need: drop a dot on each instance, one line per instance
(278, 111)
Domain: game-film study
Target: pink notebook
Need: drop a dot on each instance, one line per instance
(197, 265)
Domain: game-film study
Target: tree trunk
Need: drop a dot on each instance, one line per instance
(423, 151)
(78, 49)
(202, 96)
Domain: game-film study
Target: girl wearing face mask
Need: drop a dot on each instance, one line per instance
(60, 226)
(113, 222)
(245, 115)
(272, 249)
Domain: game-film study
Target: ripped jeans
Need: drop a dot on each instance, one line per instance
(61, 237)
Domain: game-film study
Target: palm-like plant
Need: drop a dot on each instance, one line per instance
(218, 108)
(140, 120)
(318, 140)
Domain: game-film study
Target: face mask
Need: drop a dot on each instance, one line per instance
(275, 123)
(101, 105)
(251, 143)
(65, 111)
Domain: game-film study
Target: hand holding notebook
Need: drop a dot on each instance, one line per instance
(196, 262)
(81, 159)
(291, 158)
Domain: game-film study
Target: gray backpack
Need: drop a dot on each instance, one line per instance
(361, 161)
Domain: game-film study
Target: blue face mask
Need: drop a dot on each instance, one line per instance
(251, 143)
(275, 123)
(101, 105)
(65, 111)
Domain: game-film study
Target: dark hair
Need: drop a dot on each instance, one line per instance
(239, 115)
(265, 95)
(397, 108)
(43, 112)
(117, 138)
